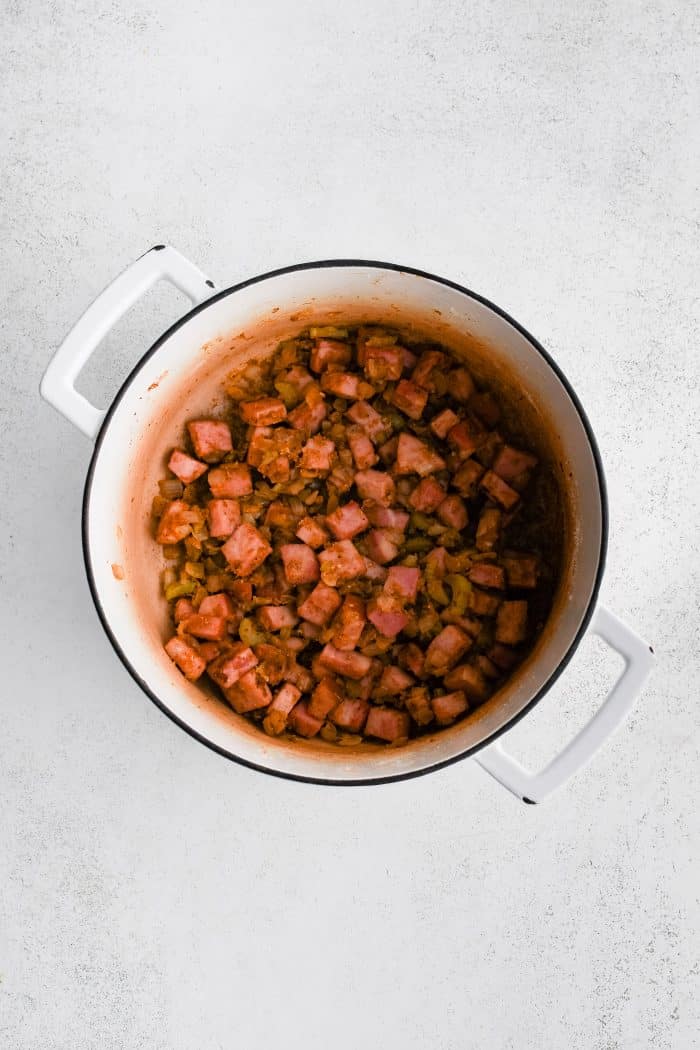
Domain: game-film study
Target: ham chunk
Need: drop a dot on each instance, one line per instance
(350, 714)
(230, 481)
(427, 363)
(481, 603)
(486, 574)
(320, 606)
(308, 417)
(387, 615)
(385, 517)
(369, 420)
(499, 491)
(453, 513)
(427, 495)
(402, 582)
(312, 532)
(347, 521)
(511, 623)
(277, 617)
(246, 549)
(300, 563)
(466, 478)
(463, 439)
(419, 707)
(232, 665)
(250, 693)
(264, 412)
(317, 456)
(213, 628)
(448, 707)
(374, 571)
(413, 659)
(183, 609)
(381, 546)
(383, 363)
(341, 561)
(502, 656)
(510, 463)
(217, 605)
(224, 516)
(521, 570)
(349, 623)
(410, 398)
(488, 530)
(279, 515)
(211, 439)
(362, 449)
(190, 662)
(275, 721)
(349, 664)
(446, 649)
(443, 423)
(387, 724)
(347, 385)
(413, 456)
(185, 467)
(175, 522)
(461, 384)
(393, 682)
(329, 352)
(325, 697)
(470, 681)
(302, 722)
(375, 485)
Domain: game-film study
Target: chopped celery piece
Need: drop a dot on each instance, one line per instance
(249, 633)
(328, 331)
(180, 590)
(416, 544)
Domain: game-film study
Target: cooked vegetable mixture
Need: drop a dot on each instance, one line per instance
(358, 550)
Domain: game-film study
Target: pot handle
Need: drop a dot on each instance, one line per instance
(535, 787)
(159, 263)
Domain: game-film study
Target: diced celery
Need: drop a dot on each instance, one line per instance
(461, 589)
(180, 590)
(195, 569)
(328, 331)
(416, 544)
(249, 633)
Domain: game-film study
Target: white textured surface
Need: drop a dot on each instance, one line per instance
(154, 895)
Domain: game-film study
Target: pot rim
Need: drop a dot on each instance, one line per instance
(604, 532)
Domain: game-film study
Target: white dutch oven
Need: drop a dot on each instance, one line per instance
(181, 375)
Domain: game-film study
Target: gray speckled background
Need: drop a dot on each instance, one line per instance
(154, 895)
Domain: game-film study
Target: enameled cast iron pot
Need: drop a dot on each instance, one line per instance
(180, 377)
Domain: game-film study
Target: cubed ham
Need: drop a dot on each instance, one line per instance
(381, 546)
(385, 517)
(393, 682)
(300, 563)
(413, 659)
(275, 721)
(443, 423)
(510, 463)
(224, 516)
(409, 358)
(302, 722)
(279, 515)
(320, 606)
(349, 623)
(183, 609)
(521, 570)
(502, 656)
(436, 562)
(308, 417)
(362, 449)
(347, 521)
(511, 623)
(298, 675)
(217, 605)
(413, 456)
(325, 697)
(461, 384)
(350, 714)
(453, 513)
(375, 485)
(419, 707)
(498, 490)
(296, 377)
(309, 630)
(427, 495)
(328, 352)
(212, 628)
(367, 417)
(387, 615)
(410, 398)
(211, 439)
(312, 532)
(317, 456)
(402, 582)
(185, 467)
(481, 603)
(387, 724)
(261, 446)
(341, 561)
(446, 649)
(487, 668)
(387, 451)
(469, 680)
(190, 662)
(486, 574)
(250, 693)
(463, 439)
(428, 361)
(230, 481)
(488, 530)
(232, 665)
(347, 385)
(349, 664)
(383, 363)
(246, 549)
(175, 522)
(263, 412)
(209, 651)
(485, 408)
(448, 707)
(241, 591)
(466, 478)
(277, 617)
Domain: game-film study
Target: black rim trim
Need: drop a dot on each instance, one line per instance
(469, 752)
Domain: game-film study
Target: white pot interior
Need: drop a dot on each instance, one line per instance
(183, 378)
